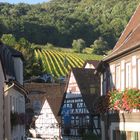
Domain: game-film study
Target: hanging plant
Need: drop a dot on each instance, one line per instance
(131, 99)
(118, 101)
(115, 100)
(126, 100)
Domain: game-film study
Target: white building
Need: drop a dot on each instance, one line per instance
(45, 101)
(121, 70)
(13, 94)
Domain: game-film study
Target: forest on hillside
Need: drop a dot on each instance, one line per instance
(42, 31)
(59, 22)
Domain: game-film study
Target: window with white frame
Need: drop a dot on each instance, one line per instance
(16, 105)
(138, 73)
(11, 103)
(128, 75)
(112, 80)
(104, 83)
(112, 76)
(118, 76)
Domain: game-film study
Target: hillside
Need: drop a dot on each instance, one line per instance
(59, 63)
(61, 21)
(94, 24)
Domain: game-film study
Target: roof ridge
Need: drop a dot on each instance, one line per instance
(128, 24)
(126, 40)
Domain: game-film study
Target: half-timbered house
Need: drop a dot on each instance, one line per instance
(45, 101)
(120, 70)
(77, 112)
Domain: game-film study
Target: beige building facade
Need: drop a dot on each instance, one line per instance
(120, 70)
(12, 95)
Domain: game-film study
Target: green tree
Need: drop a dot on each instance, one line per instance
(59, 22)
(78, 45)
(100, 46)
(24, 46)
(8, 39)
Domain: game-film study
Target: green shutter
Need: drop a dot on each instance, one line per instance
(122, 135)
(114, 135)
(134, 136)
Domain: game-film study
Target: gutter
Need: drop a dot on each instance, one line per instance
(121, 54)
(9, 87)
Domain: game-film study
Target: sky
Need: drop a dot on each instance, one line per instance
(24, 1)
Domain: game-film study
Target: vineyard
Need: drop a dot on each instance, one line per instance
(58, 63)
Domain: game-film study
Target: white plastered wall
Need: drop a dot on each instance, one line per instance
(133, 60)
(89, 66)
(46, 123)
(15, 104)
(18, 67)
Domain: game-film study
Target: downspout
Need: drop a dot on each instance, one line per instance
(4, 91)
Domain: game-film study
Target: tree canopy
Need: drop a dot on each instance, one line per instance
(59, 22)
(65, 23)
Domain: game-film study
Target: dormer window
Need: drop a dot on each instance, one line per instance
(92, 89)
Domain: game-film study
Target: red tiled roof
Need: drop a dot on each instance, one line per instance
(86, 78)
(52, 92)
(132, 24)
(133, 41)
(129, 38)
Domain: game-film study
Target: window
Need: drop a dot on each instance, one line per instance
(123, 135)
(96, 120)
(11, 103)
(117, 80)
(104, 83)
(73, 89)
(80, 121)
(36, 106)
(92, 89)
(128, 75)
(112, 76)
(112, 79)
(138, 72)
(119, 135)
(16, 105)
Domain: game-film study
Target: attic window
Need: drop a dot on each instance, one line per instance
(73, 89)
(92, 89)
